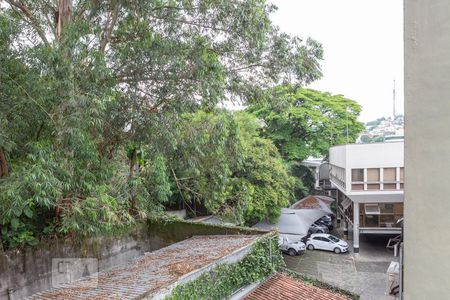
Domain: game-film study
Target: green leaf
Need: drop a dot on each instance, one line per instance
(28, 212)
(15, 223)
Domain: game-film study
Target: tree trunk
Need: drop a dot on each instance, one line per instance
(133, 161)
(65, 9)
(4, 172)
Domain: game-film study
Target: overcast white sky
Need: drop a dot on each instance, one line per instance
(363, 45)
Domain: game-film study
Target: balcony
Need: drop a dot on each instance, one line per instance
(359, 168)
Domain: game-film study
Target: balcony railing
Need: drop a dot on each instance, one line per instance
(337, 181)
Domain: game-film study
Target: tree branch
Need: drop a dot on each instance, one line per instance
(110, 23)
(34, 23)
(4, 171)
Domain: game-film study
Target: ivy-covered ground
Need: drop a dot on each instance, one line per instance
(221, 282)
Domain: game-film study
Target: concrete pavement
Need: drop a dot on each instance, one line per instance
(363, 273)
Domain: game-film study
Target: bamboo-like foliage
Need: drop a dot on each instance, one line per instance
(92, 95)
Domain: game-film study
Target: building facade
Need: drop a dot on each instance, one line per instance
(369, 179)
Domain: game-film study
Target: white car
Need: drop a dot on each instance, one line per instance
(290, 247)
(324, 241)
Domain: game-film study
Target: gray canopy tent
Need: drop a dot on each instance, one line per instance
(295, 223)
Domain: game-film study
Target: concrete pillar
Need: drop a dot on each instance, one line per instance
(345, 228)
(338, 213)
(355, 227)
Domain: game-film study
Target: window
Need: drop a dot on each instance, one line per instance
(325, 240)
(357, 175)
(357, 187)
(372, 209)
(371, 221)
(390, 186)
(333, 238)
(389, 174)
(373, 175)
(317, 238)
(387, 208)
(390, 178)
(402, 177)
(387, 220)
(398, 209)
(373, 186)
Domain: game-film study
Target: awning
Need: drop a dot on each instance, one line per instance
(376, 198)
(289, 223)
(295, 221)
(346, 203)
(371, 209)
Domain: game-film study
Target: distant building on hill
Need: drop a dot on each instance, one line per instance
(383, 129)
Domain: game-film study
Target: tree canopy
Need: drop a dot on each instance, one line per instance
(94, 96)
(304, 122)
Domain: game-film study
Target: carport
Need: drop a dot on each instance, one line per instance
(294, 222)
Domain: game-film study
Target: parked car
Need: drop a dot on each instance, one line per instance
(325, 221)
(324, 241)
(327, 218)
(290, 247)
(316, 228)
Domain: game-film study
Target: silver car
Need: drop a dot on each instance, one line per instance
(315, 228)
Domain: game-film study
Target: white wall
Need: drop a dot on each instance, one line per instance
(361, 156)
(375, 155)
(338, 156)
(427, 156)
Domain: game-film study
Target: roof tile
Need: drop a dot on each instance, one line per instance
(281, 286)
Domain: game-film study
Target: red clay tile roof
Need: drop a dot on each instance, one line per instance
(284, 287)
(155, 270)
(308, 202)
(313, 202)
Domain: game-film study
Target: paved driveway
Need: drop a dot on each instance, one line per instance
(363, 273)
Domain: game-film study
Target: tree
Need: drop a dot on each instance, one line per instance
(227, 168)
(83, 82)
(263, 185)
(304, 122)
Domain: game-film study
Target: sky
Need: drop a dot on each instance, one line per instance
(363, 48)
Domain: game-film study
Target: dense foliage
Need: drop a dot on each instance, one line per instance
(219, 162)
(222, 281)
(98, 102)
(109, 113)
(303, 123)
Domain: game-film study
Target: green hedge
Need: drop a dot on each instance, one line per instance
(221, 282)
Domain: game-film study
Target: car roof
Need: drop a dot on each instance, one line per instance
(320, 234)
(323, 234)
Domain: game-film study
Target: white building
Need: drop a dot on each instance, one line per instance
(369, 180)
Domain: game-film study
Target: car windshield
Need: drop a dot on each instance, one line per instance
(333, 238)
